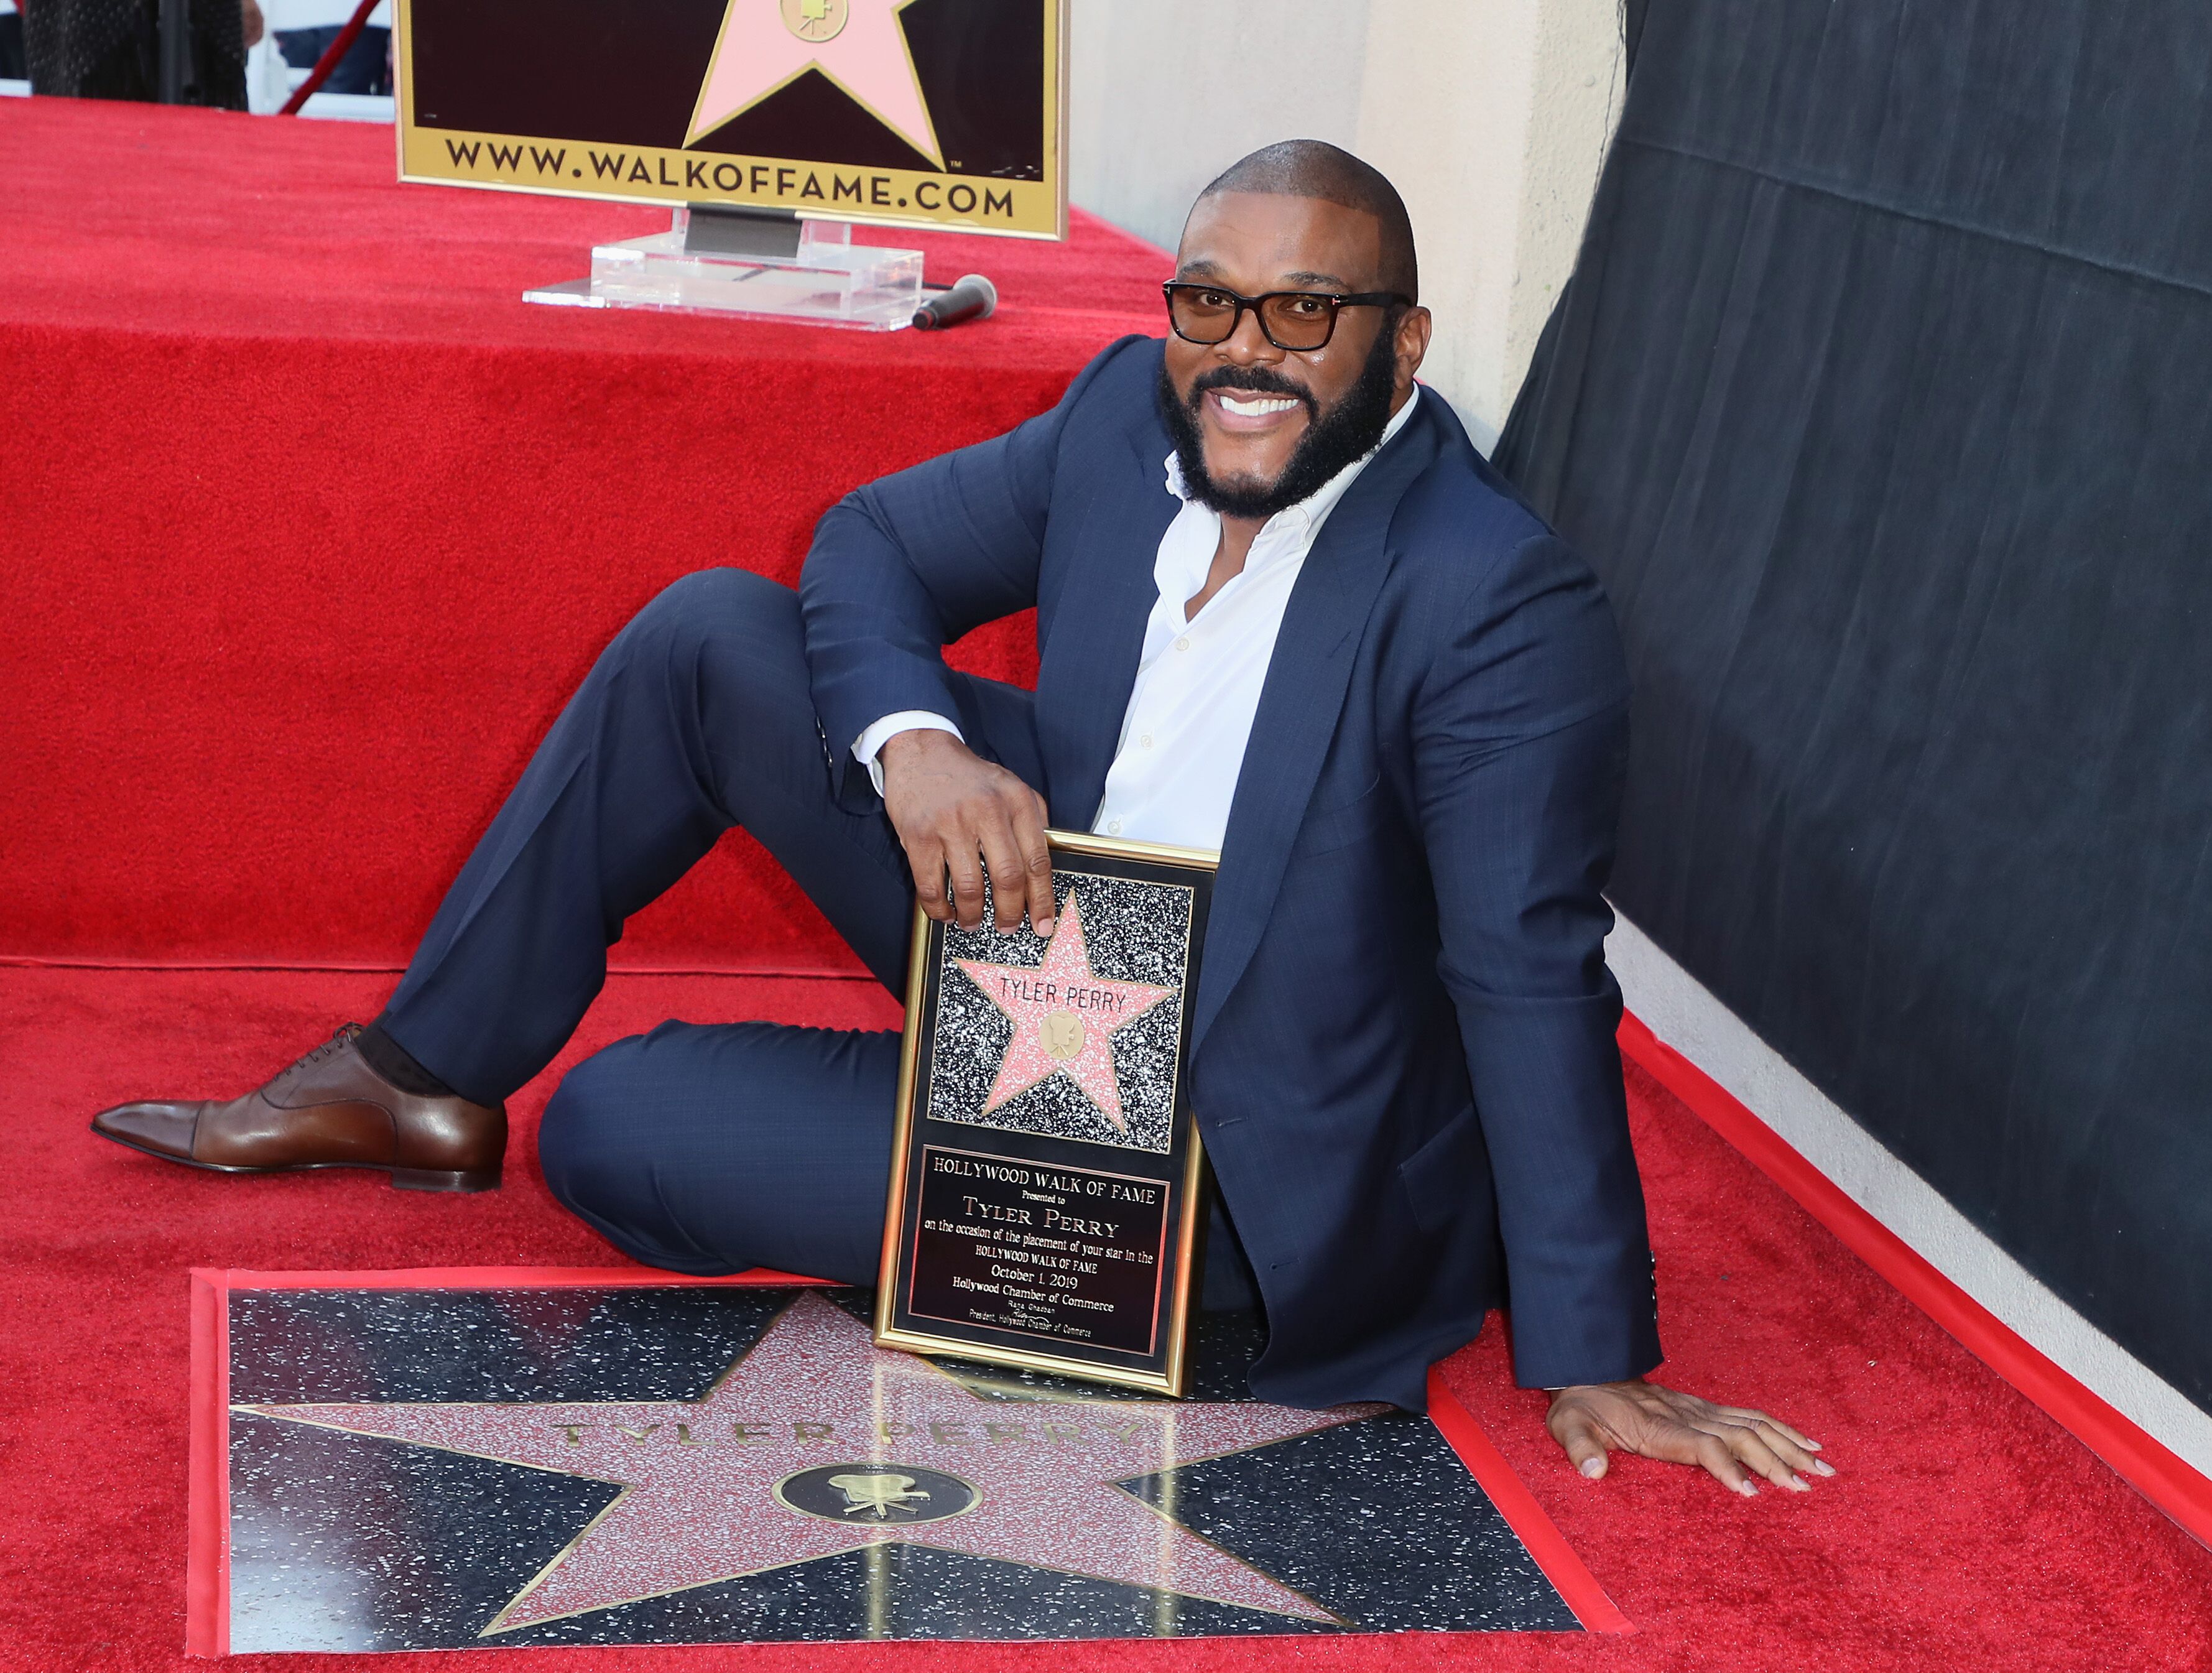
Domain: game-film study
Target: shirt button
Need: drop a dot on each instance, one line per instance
(1145, 742)
(1184, 643)
(1114, 827)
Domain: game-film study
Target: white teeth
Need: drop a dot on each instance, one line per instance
(1257, 407)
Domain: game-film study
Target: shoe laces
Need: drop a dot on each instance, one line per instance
(346, 1034)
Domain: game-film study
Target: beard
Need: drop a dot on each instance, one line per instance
(1348, 431)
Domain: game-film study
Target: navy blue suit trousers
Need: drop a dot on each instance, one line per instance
(699, 1148)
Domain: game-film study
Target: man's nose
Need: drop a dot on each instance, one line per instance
(1248, 342)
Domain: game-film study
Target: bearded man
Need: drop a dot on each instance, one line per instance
(1284, 611)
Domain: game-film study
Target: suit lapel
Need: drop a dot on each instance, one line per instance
(1089, 664)
(1304, 694)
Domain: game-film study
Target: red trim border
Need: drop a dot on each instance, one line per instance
(207, 1557)
(1576, 1586)
(2151, 1469)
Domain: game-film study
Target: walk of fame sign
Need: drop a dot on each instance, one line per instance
(934, 112)
(420, 1460)
(1046, 1172)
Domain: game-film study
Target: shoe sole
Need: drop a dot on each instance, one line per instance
(460, 1181)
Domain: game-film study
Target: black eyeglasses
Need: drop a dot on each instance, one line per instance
(1295, 320)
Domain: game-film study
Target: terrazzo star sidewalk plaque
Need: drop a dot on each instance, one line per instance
(496, 1457)
(1045, 1174)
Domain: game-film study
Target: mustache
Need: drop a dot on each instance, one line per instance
(1255, 381)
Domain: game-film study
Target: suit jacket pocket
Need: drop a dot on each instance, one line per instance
(1325, 830)
(1437, 1178)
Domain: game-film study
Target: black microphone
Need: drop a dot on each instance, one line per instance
(973, 298)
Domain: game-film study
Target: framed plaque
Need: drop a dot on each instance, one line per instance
(1045, 1193)
(944, 113)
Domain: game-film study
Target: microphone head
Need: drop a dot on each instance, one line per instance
(989, 291)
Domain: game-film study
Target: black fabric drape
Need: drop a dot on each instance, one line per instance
(1881, 398)
(112, 49)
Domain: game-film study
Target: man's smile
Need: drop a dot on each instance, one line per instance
(1251, 412)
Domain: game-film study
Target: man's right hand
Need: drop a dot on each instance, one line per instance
(957, 817)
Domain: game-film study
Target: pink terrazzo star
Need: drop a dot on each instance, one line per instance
(1065, 1018)
(858, 44)
(815, 1414)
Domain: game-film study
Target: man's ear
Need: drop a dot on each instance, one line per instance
(1413, 345)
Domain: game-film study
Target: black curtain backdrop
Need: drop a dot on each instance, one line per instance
(1881, 398)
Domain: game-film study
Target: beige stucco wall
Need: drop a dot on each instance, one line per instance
(1491, 116)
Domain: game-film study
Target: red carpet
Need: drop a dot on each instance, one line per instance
(308, 524)
(289, 466)
(1965, 1530)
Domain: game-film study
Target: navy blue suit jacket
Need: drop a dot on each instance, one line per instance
(1403, 1061)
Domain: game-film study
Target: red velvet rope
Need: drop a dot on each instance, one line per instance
(324, 65)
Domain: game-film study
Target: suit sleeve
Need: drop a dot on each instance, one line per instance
(902, 568)
(1521, 749)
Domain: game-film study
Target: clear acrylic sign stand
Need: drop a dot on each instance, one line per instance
(766, 263)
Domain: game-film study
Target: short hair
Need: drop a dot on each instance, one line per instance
(1315, 168)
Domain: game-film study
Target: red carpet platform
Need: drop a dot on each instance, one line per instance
(315, 523)
(308, 525)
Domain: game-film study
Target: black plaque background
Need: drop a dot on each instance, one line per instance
(940, 1255)
(1170, 1169)
(630, 75)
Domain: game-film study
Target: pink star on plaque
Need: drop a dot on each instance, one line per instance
(816, 1442)
(766, 45)
(1065, 1018)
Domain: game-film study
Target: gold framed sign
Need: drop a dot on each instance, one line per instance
(946, 114)
(1045, 1171)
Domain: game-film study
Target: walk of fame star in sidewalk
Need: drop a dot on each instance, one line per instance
(672, 1462)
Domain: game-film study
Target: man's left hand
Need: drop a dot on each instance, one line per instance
(1732, 1443)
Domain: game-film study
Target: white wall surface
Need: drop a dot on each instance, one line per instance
(1490, 116)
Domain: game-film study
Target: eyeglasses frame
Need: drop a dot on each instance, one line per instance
(1337, 301)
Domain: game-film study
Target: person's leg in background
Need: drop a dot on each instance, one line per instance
(361, 71)
(12, 65)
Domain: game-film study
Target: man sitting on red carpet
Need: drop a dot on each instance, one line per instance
(1284, 611)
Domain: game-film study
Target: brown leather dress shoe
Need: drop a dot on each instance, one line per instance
(330, 1109)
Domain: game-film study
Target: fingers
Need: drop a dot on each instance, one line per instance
(1756, 1455)
(964, 866)
(1037, 863)
(1584, 1442)
(1778, 1440)
(925, 856)
(1794, 1449)
(1003, 859)
(996, 844)
(1673, 1441)
(1746, 1414)
(1720, 1462)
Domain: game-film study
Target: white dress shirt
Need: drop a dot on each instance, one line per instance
(1198, 676)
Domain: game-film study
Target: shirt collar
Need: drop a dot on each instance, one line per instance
(1319, 503)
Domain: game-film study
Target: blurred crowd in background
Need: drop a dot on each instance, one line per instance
(112, 49)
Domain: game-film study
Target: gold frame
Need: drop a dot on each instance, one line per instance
(413, 145)
(1169, 1379)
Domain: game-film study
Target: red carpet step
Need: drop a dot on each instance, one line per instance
(310, 524)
